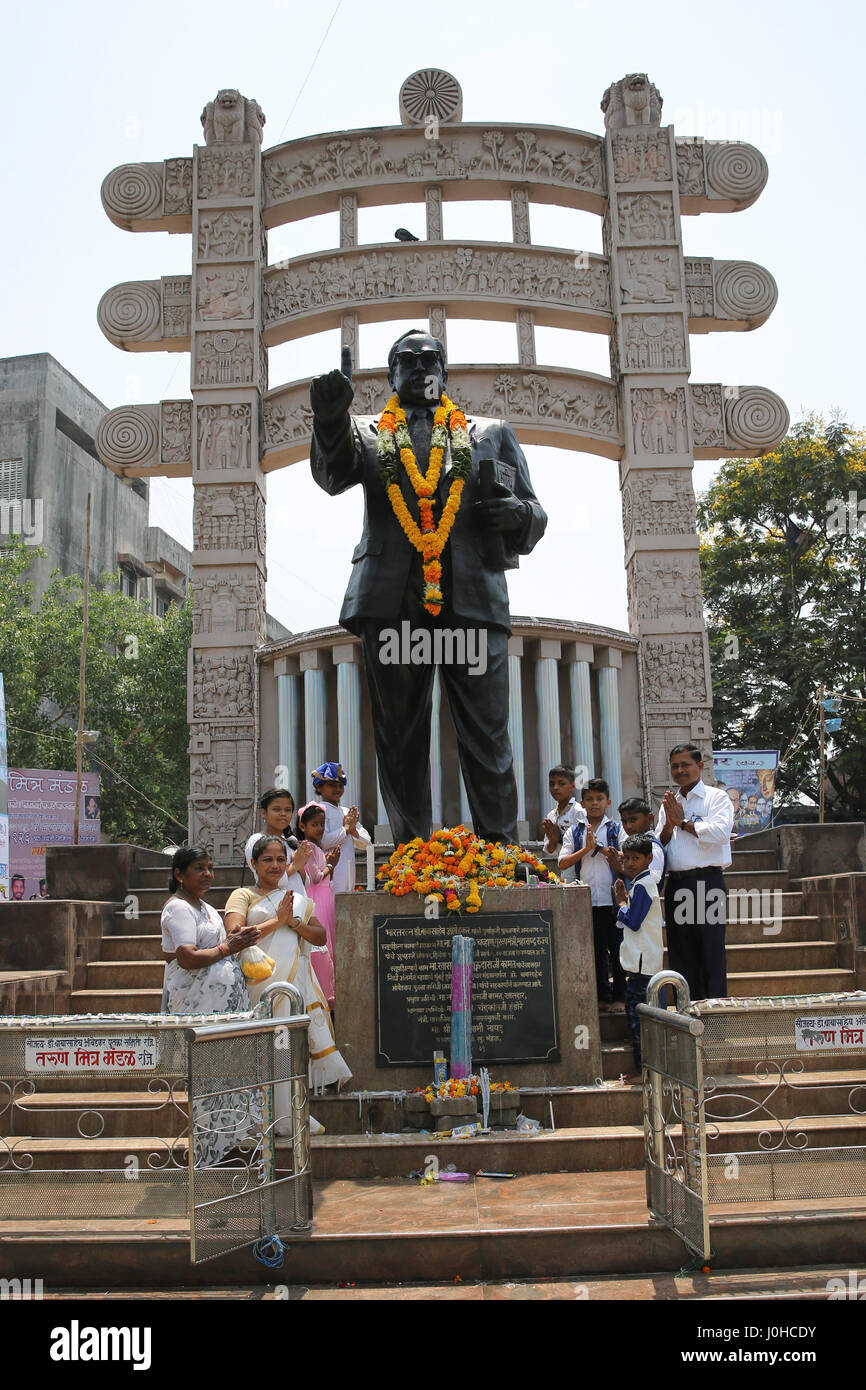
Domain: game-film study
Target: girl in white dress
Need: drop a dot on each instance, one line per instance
(343, 829)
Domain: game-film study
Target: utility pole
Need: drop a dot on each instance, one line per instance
(821, 713)
(79, 737)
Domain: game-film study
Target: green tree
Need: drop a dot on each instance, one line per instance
(783, 558)
(135, 694)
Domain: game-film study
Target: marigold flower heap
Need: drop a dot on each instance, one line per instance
(393, 440)
(453, 866)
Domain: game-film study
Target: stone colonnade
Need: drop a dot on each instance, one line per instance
(566, 703)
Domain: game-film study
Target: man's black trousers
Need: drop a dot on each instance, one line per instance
(695, 920)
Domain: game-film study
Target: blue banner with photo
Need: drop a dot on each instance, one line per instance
(748, 775)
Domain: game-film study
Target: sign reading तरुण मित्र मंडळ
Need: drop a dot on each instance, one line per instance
(846, 1031)
(122, 1053)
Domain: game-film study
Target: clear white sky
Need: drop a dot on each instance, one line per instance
(92, 85)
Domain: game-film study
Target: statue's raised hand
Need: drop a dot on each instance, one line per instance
(330, 396)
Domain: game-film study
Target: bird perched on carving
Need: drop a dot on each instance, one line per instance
(402, 234)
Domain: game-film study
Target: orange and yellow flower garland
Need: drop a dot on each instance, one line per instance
(428, 539)
(453, 865)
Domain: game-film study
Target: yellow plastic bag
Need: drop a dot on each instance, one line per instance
(255, 964)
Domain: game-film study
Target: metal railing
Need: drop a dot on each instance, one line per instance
(726, 1104)
(159, 1115)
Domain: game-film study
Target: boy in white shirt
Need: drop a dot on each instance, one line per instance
(342, 826)
(566, 812)
(642, 949)
(590, 849)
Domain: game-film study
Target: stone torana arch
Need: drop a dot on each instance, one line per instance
(644, 293)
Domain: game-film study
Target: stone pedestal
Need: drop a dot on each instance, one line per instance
(574, 973)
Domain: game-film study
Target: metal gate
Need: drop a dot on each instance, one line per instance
(248, 1088)
(153, 1116)
(700, 1062)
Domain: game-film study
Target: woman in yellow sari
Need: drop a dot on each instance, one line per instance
(287, 931)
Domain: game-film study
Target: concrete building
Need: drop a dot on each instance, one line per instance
(49, 464)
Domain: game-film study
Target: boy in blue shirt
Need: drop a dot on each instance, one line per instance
(642, 949)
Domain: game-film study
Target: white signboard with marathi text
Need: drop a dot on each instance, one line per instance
(114, 1053)
(836, 1031)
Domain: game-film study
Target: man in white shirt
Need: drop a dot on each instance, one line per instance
(695, 825)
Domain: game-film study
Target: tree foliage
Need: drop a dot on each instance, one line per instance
(135, 694)
(786, 612)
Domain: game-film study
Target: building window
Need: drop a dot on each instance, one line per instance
(11, 480)
(128, 582)
(163, 603)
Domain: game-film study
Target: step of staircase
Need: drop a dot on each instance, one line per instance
(808, 1282)
(112, 1001)
(371, 1232)
(59, 1115)
(749, 985)
(103, 976)
(132, 948)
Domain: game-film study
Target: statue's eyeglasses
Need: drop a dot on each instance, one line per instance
(428, 360)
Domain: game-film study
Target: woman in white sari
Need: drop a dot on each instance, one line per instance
(288, 930)
(203, 976)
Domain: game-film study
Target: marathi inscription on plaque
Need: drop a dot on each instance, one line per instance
(514, 1012)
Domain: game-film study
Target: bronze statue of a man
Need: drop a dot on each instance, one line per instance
(403, 574)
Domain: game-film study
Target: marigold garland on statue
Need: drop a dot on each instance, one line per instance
(453, 865)
(394, 442)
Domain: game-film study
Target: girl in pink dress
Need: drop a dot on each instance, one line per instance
(318, 871)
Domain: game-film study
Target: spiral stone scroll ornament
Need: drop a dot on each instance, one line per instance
(735, 170)
(430, 93)
(133, 190)
(131, 310)
(755, 418)
(128, 437)
(744, 290)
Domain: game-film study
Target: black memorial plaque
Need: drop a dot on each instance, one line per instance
(514, 1013)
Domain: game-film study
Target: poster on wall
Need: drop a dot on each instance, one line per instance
(42, 812)
(4, 799)
(748, 775)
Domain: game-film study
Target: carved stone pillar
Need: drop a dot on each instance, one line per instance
(349, 237)
(229, 377)
(650, 363)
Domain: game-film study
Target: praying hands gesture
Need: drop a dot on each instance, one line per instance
(300, 858)
(350, 820)
(332, 858)
(620, 895)
(674, 814)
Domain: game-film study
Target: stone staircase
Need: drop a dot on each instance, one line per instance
(576, 1205)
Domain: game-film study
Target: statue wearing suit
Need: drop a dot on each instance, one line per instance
(499, 519)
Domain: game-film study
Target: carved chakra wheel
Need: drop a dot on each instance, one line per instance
(644, 293)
